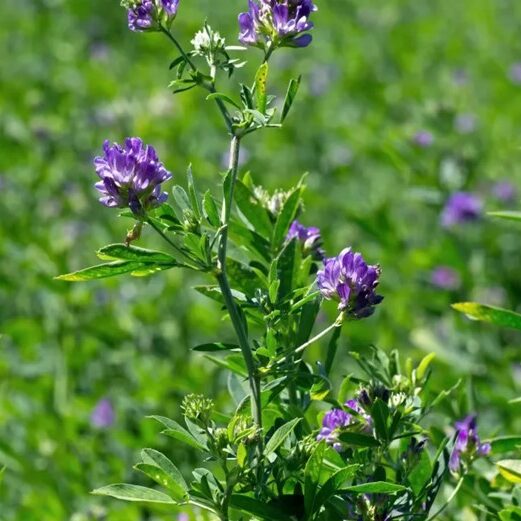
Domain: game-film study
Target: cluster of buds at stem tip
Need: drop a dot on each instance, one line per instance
(150, 15)
(198, 409)
(269, 24)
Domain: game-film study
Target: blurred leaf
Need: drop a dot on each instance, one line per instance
(377, 487)
(291, 94)
(505, 444)
(358, 439)
(280, 435)
(512, 513)
(424, 365)
(510, 469)
(494, 315)
(421, 473)
(257, 508)
(380, 416)
(509, 215)
(215, 346)
(192, 194)
(134, 493)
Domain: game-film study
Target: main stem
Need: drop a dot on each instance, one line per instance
(224, 284)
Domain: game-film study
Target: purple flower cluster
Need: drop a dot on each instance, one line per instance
(146, 15)
(103, 415)
(467, 443)
(423, 139)
(277, 23)
(131, 176)
(461, 207)
(337, 419)
(352, 281)
(308, 236)
(445, 277)
(504, 191)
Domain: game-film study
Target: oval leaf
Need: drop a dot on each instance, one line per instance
(497, 316)
(134, 493)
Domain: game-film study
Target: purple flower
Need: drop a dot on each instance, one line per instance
(276, 23)
(515, 73)
(423, 139)
(504, 191)
(144, 15)
(349, 279)
(183, 517)
(465, 123)
(461, 207)
(467, 444)
(103, 415)
(337, 419)
(445, 277)
(131, 176)
(309, 237)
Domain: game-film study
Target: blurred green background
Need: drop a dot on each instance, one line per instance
(377, 74)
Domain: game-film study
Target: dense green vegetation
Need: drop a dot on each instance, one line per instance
(376, 75)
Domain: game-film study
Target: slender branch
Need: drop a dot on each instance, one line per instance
(210, 87)
(167, 239)
(179, 48)
(451, 497)
(336, 324)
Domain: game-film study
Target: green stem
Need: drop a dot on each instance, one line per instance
(224, 284)
(451, 497)
(179, 48)
(167, 239)
(336, 324)
(210, 87)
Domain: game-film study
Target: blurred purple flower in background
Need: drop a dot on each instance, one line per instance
(461, 207)
(276, 22)
(445, 277)
(183, 517)
(465, 123)
(467, 443)
(103, 415)
(131, 176)
(460, 77)
(423, 139)
(349, 279)
(504, 191)
(515, 73)
(309, 237)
